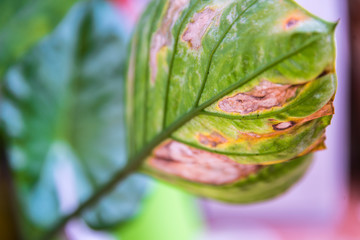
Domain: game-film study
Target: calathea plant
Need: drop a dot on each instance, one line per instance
(226, 99)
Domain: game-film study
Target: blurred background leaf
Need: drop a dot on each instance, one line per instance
(63, 113)
(23, 23)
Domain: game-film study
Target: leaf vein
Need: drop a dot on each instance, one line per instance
(146, 91)
(203, 83)
(226, 152)
(171, 66)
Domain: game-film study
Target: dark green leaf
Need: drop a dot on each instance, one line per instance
(23, 23)
(64, 115)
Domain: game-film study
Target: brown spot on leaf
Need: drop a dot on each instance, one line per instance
(283, 126)
(249, 135)
(212, 140)
(163, 37)
(198, 165)
(293, 20)
(198, 27)
(264, 96)
(289, 126)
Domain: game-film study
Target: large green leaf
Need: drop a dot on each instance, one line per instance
(218, 89)
(63, 112)
(23, 23)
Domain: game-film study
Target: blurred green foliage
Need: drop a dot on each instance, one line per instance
(63, 113)
(23, 23)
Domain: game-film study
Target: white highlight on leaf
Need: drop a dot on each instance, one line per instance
(65, 180)
(16, 83)
(68, 195)
(18, 158)
(232, 15)
(12, 118)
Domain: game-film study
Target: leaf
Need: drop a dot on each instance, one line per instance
(64, 115)
(218, 90)
(23, 23)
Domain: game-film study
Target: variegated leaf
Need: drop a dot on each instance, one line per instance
(218, 90)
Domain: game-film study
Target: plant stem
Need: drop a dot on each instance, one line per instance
(116, 179)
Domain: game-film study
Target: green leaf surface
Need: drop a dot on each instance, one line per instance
(23, 23)
(218, 89)
(63, 112)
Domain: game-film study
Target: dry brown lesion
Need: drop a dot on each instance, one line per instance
(198, 26)
(287, 127)
(264, 96)
(163, 37)
(293, 20)
(212, 140)
(198, 165)
(283, 125)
